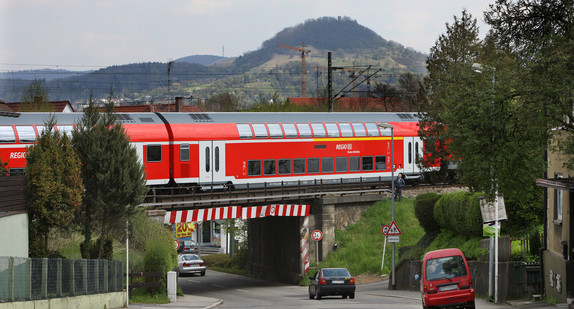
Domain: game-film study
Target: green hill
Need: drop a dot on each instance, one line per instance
(258, 74)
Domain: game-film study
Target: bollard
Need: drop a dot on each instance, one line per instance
(172, 286)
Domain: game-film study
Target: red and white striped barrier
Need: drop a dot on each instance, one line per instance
(230, 212)
(305, 243)
(276, 211)
(236, 212)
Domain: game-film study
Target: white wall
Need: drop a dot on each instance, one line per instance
(14, 235)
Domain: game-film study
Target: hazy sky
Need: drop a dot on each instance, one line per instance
(89, 34)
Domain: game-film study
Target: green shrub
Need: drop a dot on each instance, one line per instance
(424, 211)
(459, 212)
(534, 242)
(159, 257)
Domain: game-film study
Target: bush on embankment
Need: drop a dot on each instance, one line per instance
(460, 213)
(424, 211)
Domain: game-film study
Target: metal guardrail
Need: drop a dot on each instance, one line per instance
(196, 196)
(24, 279)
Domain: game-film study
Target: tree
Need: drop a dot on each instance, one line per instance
(113, 175)
(387, 95)
(413, 92)
(541, 34)
(478, 114)
(54, 186)
(458, 47)
(35, 99)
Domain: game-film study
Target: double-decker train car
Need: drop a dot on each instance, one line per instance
(246, 149)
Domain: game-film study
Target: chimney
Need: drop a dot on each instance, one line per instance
(178, 104)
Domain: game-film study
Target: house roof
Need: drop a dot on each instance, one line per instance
(58, 106)
(152, 108)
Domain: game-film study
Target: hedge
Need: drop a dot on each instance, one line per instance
(424, 211)
(459, 212)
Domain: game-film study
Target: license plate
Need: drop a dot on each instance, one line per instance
(447, 287)
(338, 281)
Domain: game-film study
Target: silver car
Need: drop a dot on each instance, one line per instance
(190, 264)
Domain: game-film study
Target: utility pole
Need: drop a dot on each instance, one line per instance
(329, 83)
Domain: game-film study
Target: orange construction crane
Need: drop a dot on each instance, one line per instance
(303, 55)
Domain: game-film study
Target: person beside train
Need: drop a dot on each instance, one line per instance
(399, 184)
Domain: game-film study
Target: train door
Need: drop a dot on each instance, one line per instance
(211, 162)
(412, 151)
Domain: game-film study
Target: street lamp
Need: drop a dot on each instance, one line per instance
(477, 67)
(389, 126)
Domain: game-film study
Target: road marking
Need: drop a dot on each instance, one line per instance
(219, 286)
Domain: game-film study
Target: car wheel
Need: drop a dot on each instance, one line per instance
(203, 273)
(318, 294)
(344, 296)
(352, 296)
(470, 305)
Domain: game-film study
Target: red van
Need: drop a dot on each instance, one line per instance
(446, 280)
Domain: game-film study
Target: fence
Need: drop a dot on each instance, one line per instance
(23, 279)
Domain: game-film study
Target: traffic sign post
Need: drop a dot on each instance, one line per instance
(317, 235)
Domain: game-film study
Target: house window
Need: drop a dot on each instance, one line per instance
(558, 200)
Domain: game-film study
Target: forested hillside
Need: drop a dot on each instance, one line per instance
(270, 71)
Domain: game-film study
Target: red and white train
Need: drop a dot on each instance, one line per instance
(240, 149)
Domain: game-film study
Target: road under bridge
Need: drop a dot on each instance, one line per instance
(280, 221)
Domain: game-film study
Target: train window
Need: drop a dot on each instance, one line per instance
(26, 134)
(284, 166)
(207, 159)
(216, 155)
(275, 130)
(326, 165)
(153, 153)
(253, 168)
(410, 155)
(346, 130)
(341, 164)
(367, 163)
(372, 129)
(298, 166)
(7, 134)
(244, 130)
(65, 130)
(269, 167)
(354, 164)
(290, 130)
(41, 129)
(359, 129)
(380, 163)
(260, 130)
(304, 130)
(318, 130)
(313, 165)
(332, 130)
(184, 152)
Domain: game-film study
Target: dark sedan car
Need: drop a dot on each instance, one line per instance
(188, 246)
(332, 281)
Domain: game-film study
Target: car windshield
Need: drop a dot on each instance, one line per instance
(445, 268)
(336, 273)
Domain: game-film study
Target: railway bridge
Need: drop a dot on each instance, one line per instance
(280, 218)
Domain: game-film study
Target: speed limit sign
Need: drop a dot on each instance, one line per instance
(317, 235)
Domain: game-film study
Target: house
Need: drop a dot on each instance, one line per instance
(58, 106)
(558, 250)
(156, 108)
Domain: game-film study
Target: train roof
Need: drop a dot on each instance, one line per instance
(9, 118)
